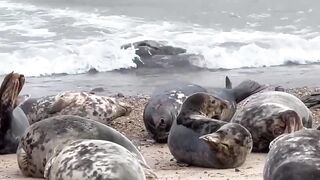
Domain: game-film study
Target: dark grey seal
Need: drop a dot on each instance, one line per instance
(165, 103)
(13, 121)
(198, 140)
(50, 135)
(294, 156)
(272, 113)
(99, 108)
(94, 159)
(153, 54)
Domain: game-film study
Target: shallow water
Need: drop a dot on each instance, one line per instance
(144, 81)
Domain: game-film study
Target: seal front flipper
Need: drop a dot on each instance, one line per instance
(247, 88)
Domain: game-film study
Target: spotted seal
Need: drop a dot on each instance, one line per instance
(50, 135)
(94, 159)
(269, 114)
(99, 108)
(13, 121)
(165, 102)
(294, 156)
(197, 139)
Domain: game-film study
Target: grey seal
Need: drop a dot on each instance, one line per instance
(197, 139)
(165, 103)
(272, 113)
(94, 159)
(99, 108)
(294, 156)
(13, 121)
(50, 135)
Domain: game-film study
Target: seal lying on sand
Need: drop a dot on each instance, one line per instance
(94, 159)
(198, 140)
(50, 135)
(294, 156)
(164, 104)
(269, 114)
(13, 121)
(99, 108)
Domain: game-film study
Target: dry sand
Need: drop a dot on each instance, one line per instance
(158, 155)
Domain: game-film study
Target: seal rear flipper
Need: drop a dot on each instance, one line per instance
(247, 88)
(228, 83)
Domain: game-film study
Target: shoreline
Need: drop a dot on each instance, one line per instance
(158, 155)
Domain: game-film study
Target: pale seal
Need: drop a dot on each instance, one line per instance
(165, 103)
(13, 121)
(94, 159)
(50, 135)
(294, 156)
(269, 114)
(99, 108)
(198, 140)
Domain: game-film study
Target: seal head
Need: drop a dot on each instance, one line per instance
(197, 139)
(268, 115)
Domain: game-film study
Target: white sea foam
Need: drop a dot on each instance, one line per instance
(42, 41)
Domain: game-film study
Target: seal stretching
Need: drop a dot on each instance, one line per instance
(198, 140)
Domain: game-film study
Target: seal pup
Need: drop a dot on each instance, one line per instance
(294, 156)
(50, 135)
(94, 159)
(198, 140)
(165, 103)
(272, 113)
(13, 121)
(99, 108)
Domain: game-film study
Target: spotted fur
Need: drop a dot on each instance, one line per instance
(99, 108)
(269, 114)
(197, 139)
(294, 156)
(94, 159)
(50, 135)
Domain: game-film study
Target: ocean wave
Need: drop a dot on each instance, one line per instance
(38, 41)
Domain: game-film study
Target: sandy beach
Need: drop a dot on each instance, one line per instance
(158, 155)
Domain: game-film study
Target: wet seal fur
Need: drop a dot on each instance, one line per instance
(94, 159)
(294, 156)
(13, 121)
(198, 140)
(165, 103)
(99, 108)
(50, 135)
(272, 113)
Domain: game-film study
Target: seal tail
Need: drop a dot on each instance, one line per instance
(312, 100)
(247, 88)
(228, 83)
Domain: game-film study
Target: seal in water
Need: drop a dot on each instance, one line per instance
(50, 135)
(94, 159)
(13, 121)
(164, 104)
(198, 140)
(272, 113)
(99, 108)
(294, 156)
